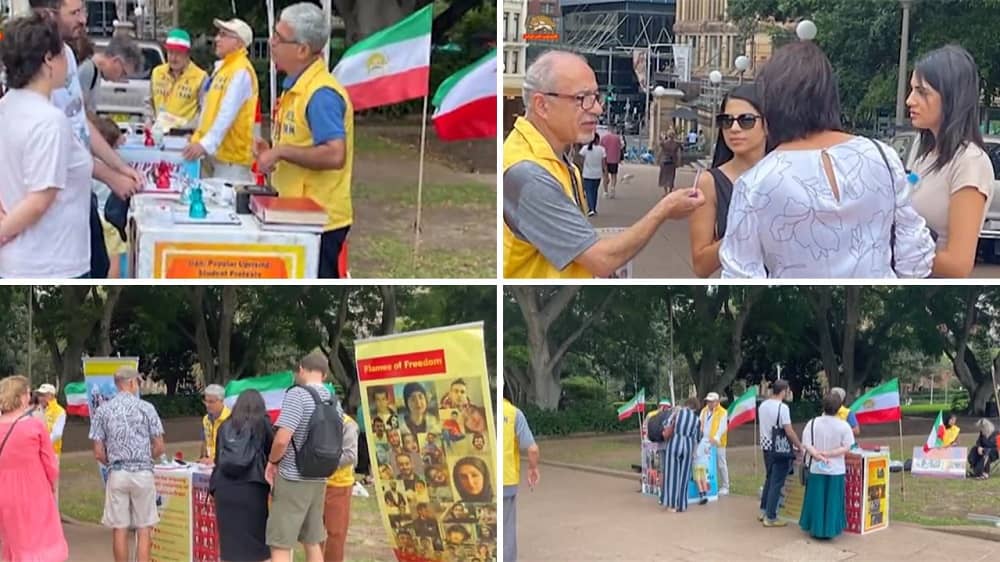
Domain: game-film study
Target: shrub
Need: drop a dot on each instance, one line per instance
(584, 417)
(177, 405)
(582, 389)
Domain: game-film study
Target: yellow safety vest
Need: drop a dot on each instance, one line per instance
(52, 413)
(520, 258)
(177, 97)
(511, 448)
(843, 412)
(211, 429)
(716, 420)
(330, 188)
(343, 476)
(237, 146)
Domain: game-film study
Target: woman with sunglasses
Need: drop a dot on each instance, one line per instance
(954, 174)
(739, 147)
(823, 203)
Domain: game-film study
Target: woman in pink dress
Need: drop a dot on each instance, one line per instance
(30, 529)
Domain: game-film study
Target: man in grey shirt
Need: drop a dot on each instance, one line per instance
(562, 106)
(120, 59)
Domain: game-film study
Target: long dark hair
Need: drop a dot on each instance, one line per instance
(249, 411)
(480, 465)
(747, 93)
(951, 71)
(597, 138)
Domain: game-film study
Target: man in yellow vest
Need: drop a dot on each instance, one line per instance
(55, 420)
(313, 133)
(715, 420)
(546, 232)
(175, 86)
(844, 413)
(229, 106)
(214, 399)
(337, 508)
(517, 438)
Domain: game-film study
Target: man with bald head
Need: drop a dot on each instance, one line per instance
(546, 231)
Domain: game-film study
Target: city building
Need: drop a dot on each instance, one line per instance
(515, 59)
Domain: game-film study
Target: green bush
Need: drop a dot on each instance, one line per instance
(584, 417)
(960, 403)
(582, 389)
(177, 405)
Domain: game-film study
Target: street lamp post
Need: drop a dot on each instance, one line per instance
(742, 64)
(904, 45)
(715, 77)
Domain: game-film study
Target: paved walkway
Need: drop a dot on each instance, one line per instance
(580, 516)
(668, 255)
(88, 543)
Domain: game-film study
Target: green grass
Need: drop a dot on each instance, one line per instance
(926, 409)
(81, 496)
(927, 501)
(371, 143)
(434, 194)
(394, 259)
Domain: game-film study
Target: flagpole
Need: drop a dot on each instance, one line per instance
(902, 487)
(755, 437)
(420, 188)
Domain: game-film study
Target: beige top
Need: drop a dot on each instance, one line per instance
(932, 194)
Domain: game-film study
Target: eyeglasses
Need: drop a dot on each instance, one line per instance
(278, 39)
(585, 101)
(745, 120)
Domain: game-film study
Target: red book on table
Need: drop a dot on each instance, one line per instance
(287, 210)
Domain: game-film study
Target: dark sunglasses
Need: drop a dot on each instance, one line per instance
(746, 120)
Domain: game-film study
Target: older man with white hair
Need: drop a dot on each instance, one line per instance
(546, 232)
(312, 146)
(229, 106)
(715, 424)
(214, 397)
(844, 413)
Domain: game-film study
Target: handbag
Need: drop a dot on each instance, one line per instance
(807, 460)
(781, 446)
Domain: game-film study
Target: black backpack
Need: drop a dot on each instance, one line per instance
(655, 426)
(238, 450)
(324, 445)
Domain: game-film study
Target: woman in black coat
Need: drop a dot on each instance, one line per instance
(238, 485)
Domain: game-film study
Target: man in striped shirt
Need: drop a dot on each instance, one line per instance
(297, 509)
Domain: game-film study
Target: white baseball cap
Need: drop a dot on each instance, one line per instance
(47, 389)
(237, 27)
(712, 397)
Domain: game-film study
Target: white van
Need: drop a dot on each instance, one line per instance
(125, 101)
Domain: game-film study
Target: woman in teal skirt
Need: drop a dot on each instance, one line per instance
(827, 439)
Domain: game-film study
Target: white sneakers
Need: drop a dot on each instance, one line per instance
(723, 491)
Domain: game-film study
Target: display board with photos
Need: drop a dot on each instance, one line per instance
(429, 422)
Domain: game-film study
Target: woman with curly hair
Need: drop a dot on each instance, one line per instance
(44, 169)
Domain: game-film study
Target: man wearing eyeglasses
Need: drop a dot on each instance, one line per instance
(229, 106)
(216, 413)
(546, 231)
(313, 132)
(119, 59)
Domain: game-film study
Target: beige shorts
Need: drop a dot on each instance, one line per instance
(130, 500)
(296, 513)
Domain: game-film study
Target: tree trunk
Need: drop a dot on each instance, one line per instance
(108, 312)
(230, 302)
(852, 315)
(202, 342)
(821, 301)
(364, 17)
(388, 323)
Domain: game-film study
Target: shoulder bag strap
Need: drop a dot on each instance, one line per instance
(11, 430)
(892, 186)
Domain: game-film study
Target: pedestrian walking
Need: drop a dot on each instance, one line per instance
(517, 439)
(826, 439)
(668, 156)
(778, 442)
(594, 169)
(614, 150)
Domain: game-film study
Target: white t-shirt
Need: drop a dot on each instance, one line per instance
(831, 433)
(37, 151)
(593, 162)
(70, 99)
(767, 414)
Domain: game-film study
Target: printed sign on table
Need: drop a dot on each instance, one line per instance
(947, 462)
(217, 260)
(147, 161)
(430, 429)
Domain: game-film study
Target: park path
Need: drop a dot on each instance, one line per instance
(581, 516)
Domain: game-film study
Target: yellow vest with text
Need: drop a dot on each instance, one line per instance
(717, 416)
(177, 97)
(511, 448)
(52, 413)
(237, 146)
(330, 188)
(343, 476)
(520, 258)
(211, 429)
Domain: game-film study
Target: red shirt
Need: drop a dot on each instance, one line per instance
(612, 144)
